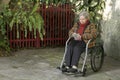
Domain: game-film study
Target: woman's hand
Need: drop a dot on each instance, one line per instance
(76, 36)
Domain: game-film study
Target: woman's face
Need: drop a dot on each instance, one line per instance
(82, 20)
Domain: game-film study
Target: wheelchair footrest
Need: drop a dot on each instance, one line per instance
(77, 74)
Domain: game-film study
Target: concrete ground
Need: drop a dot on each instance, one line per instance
(40, 64)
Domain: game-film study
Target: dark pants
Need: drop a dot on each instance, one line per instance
(74, 50)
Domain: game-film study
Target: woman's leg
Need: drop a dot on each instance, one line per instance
(69, 52)
(68, 55)
(77, 51)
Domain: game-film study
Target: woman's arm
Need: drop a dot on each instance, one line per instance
(73, 29)
(91, 34)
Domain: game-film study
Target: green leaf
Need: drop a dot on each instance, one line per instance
(12, 23)
(30, 25)
(25, 32)
(41, 36)
(35, 8)
(34, 33)
(32, 21)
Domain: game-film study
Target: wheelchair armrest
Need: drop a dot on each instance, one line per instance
(68, 40)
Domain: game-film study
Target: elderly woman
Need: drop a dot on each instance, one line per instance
(81, 32)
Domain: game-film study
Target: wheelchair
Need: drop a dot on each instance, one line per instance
(96, 58)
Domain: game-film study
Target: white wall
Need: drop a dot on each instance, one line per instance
(111, 28)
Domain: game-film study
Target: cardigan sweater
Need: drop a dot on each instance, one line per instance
(90, 32)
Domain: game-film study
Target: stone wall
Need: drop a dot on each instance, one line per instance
(111, 28)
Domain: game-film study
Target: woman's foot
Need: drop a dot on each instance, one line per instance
(74, 69)
(65, 69)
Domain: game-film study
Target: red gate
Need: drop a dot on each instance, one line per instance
(57, 22)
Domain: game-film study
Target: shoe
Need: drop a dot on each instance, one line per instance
(72, 70)
(65, 69)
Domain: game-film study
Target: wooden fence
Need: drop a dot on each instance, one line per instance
(57, 22)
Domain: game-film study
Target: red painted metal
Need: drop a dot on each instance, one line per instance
(57, 22)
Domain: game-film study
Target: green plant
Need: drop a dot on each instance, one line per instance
(24, 12)
(19, 14)
(54, 2)
(94, 7)
(5, 14)
(4, 45)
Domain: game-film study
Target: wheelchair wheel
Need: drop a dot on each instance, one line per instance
(97, 58)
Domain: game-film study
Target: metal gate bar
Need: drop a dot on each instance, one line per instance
(57, 22)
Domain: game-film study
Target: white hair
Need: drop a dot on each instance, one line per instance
(85, 14)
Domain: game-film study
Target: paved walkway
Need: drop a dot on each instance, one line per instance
(40, 64)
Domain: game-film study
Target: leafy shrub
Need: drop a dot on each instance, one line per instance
(23, 14)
